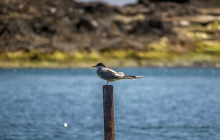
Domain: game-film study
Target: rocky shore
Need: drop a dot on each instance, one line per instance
(150, 30)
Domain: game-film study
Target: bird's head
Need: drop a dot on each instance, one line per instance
(99, 65)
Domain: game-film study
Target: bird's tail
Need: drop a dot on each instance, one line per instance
(131, 77)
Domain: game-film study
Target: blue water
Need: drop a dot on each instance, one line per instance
(166, 104)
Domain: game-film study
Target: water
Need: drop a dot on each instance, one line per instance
(167, 104)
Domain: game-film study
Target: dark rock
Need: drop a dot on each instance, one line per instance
(177, 1)
(148, 1)
(205, 3)
(86, 25)
(43, 26)
(144, 2)
(98, 9)
(154, 26)
(68, 25)
(121, 26)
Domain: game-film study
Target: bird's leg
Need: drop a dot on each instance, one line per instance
(106, 83)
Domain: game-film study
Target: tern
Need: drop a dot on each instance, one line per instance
(110, 75)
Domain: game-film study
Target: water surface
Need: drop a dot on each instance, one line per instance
(167, 104)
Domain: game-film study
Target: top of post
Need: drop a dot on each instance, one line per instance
(107, 87)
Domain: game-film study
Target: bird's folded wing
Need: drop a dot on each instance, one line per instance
(111, 74)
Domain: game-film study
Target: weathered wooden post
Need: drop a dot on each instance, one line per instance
(108, 109)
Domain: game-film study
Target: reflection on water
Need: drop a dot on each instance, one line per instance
(166, 104)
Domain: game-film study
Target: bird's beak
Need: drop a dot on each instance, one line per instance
(94, 66)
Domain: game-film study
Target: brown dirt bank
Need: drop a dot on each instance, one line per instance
(50, 26)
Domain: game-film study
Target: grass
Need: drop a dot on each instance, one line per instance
(125, 58)
(208, 47)
(214, 25)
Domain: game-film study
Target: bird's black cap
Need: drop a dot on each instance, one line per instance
(100, 64)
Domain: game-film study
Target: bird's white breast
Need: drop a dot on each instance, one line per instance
(99, 69)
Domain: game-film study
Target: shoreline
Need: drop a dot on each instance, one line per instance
(109, 63)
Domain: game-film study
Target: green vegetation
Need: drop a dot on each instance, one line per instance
(158, 54)
(214, 25)
(208, 47)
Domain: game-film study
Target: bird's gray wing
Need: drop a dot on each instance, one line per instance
(110, 74)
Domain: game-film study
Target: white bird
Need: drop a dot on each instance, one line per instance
(110, 75)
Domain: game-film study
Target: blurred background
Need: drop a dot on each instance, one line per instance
(71, 33)
(173, 44)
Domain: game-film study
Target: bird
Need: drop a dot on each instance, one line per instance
(110, 75)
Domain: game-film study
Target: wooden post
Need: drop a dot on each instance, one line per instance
(108, 109)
